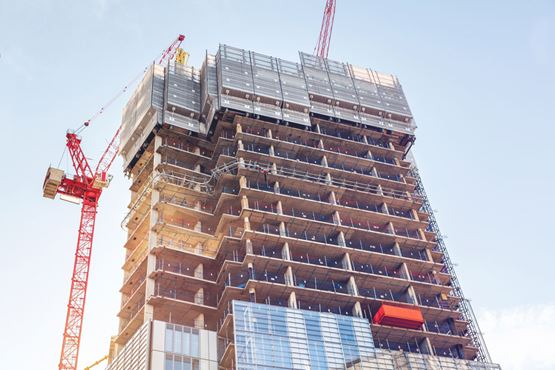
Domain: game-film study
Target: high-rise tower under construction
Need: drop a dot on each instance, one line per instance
(277, 221)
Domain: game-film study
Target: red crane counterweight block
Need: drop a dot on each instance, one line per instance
(402, 317)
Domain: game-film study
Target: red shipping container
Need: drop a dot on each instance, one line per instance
(402, 317)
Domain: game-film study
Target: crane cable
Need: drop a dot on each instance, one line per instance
(112, 100)
(169, 52)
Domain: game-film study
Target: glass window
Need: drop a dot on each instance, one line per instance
(177, 363)
(178, 345)
(196, 365)
(169, 363)
(194, 343)
(186, 363)
(168, 346)
(187, 342)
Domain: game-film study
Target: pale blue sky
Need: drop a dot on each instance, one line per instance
(478, 76)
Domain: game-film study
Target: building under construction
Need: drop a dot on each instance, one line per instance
(276, 221)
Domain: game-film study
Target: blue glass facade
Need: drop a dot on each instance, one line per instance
(272, 337)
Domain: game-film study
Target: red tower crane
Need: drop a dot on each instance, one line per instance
(323, 46)
(85, 188)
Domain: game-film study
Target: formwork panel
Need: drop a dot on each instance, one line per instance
(293, 86)
(296, 117)
(183, 92)
(379, 91)
(322, 109)
(232, 102)
(142, 113)
(235, 72)
(209, 101)
(267, 110)
(346, 114)
(181, 121)
(266, 78)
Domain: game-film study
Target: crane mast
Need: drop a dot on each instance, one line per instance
(323, 46)
(84, 187)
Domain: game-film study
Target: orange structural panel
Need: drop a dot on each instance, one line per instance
(410, 318)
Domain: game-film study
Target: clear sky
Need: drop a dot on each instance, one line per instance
(478, 75)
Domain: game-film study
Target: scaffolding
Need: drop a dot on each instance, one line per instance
(465, 306)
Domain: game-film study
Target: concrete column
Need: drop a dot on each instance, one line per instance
(273, 170)
(199, 271)
(240, 145)
(244, 202)
(328, 179)
(282, 229)
(199, 296)
(252, 295)
(320, 144)
(197, 168)
(384, 208)
(346, 262)
(357, 310)
(247, 224)
(242, 182)
(318, 129)
(241, 162)
(150, 284)
(414, 215)
(324, 161)
(248, 246)
(426, 346)
(199, 248)
(397, 249)
(429, 254)
(199, 321)
(380, 190)
(422, 235)
(292, 301)
(198, 227)
(238, 128)
(336, 218)
(332, 199)
(404, 271)
(269, 134)
(412, 294)
(352, 286)
(341, 239)
(369, 155)
(390, 228)
(285, 252)
(150, 287)
(198, 205)
(279, 208)
(276, 187)
(288, 276)
(272, 151)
